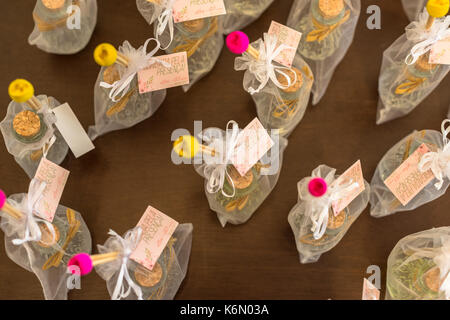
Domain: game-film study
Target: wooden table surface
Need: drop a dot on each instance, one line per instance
(131, 169)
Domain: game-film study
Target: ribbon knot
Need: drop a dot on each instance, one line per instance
(128, 243)
(417, 32)
(165, 19)
(264, 68)
(438, 161)
(442, 261)
(32, 230)
(138, 60)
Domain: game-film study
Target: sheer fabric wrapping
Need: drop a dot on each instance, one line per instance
(202, 39)
(277, 108)
(28, 152)
(300, 218)
(241, 13)
(403, 87)
(131, 109)
(418, 266)
(51, 32)
(173, 261)
(324, 42)
(413, 8)
(382, 200)
(32, 256)
(261, 179)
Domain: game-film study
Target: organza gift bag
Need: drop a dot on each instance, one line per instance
(281, 94)
(406, 76)
(202, 39)
(418, 267)
(29, 131)
(63, 26)
(383, 201)
(327, 28)
(42, 247)
(413, 8)
(241, 13)
(118, 102)
(315, 226)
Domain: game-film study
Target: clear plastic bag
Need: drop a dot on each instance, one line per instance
(27, 147)
(301, 218)
(327, 29)
(163, 281)
(241, 13)
(413, 8)
(277, 108)
(132, 108)
(403, 87)
(202, 39)
(56, 29)
(418, 267)
(250, 190)
(72, 237)
(382, 200)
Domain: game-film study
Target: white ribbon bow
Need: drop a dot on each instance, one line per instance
(263, 67)
(137, 60)
(129, 243)
(438, 162)
(320, 206)
(443, 263)
(32, 230)
(215, 172)
(417, 31)
(165, 19)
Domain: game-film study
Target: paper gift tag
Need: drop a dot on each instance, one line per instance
(157, 228)
(354, 173)
(253, 142)
(407, 181)
(370, 292)
(440, 52)
(289, 37)
(72, 131)
(185, 10)
(157, 76)
(55, 178)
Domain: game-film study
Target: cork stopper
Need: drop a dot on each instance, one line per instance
(240, 182)
(111, 74)
(194, 25)
(423, 63)
(433, 279)
(330, 9)
(294, 86)
(26, 123)
(335, 222)
(47, 239)
(146, 277)
(53, 4)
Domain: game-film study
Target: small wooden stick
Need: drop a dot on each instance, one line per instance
(207, 150)
(122, 60)
(430, 22)
(104, 258)
(253, 52)
(9, 209)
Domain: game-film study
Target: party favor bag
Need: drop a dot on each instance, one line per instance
(407, 77)
(63, 26)
(40, 246)
(419, 265)
(413, 8)
(417, 169)
(241, 13)
(202, 39)
(316, 227)
(280, 93)
(29, 132)
(328, 27)
(118, 101)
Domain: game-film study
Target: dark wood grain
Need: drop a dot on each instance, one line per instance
(131, 169)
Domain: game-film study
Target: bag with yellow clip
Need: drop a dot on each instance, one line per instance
(63, 26)
(40, 246)
(327, 28)
(29, 128)
(202, 39)
(234, 197)
(407, 75)
(117, 100)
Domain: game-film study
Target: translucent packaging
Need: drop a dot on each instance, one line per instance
(241, 13)
(413, 8)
